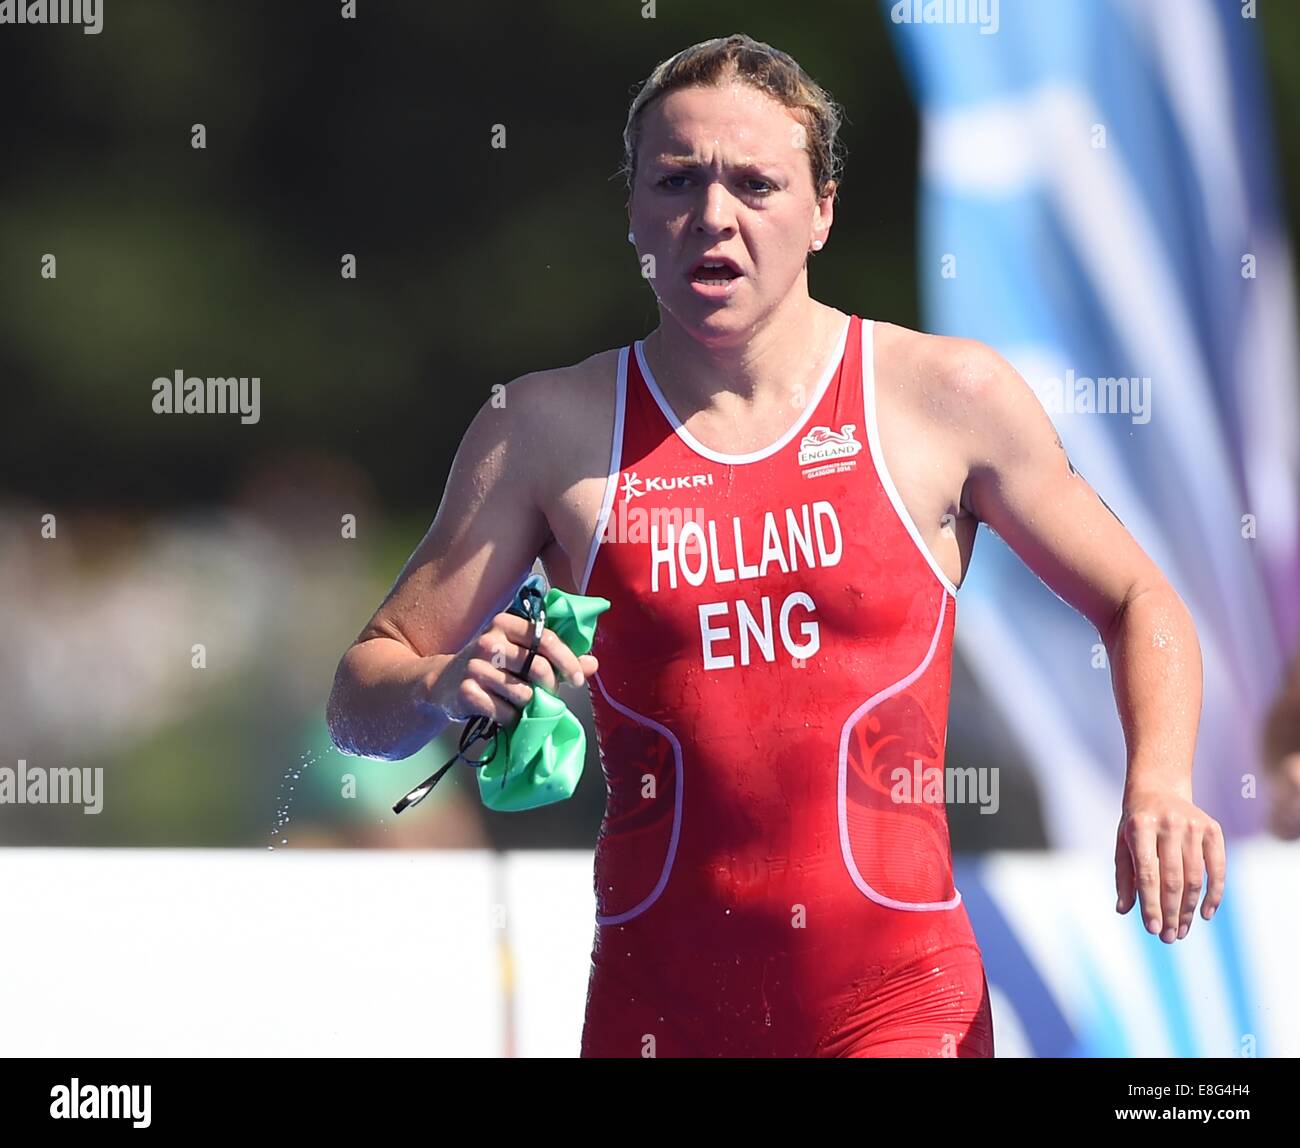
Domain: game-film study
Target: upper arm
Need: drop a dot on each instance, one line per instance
(486, 534)
(1021, 484)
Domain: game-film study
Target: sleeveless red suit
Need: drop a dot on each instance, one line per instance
(773, 874)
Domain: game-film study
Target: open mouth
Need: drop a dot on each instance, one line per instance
(714, 272)
(714, 275)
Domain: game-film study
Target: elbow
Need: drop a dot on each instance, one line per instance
(336, 712)
(1162, 609)
(359, 726)
(1109, 628)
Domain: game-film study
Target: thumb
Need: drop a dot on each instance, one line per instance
(1125, 876)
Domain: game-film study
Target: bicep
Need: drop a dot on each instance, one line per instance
(1022, 484)
(484, 538)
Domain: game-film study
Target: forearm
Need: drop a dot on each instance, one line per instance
(379, 705)
(1156, 674)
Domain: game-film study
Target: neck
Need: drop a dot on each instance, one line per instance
(760, 367)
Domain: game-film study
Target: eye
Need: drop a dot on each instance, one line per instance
(664, 182)
(766, 188)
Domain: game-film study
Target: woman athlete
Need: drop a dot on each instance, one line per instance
(779, 500)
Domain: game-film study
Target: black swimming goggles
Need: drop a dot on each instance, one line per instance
(528, 603)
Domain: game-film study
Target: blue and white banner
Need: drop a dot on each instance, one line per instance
(1098, 204)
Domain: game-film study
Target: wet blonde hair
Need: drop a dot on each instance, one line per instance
(713, 63)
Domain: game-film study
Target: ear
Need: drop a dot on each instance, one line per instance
(824, 212)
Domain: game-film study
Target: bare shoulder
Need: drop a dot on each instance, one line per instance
(961, 386)
(940, 370)
(544, 394)
(567, 414)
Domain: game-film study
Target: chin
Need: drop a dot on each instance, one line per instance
(715, 326)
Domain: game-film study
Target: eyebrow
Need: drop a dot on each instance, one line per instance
(692, 161)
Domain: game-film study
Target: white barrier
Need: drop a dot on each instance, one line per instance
(120, 952)
(134, 952)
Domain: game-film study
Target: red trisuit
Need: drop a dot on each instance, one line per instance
(773, 875)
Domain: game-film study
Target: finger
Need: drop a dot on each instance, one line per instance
(473, 699)
(1125, 879)
(563, 660)
(540, 670)
(499, 684)
(1169, 847)
(1216, 864)
(505, 654)
(1193, 878)
(1141, 839)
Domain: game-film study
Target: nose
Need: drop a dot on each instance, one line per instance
(717, 214)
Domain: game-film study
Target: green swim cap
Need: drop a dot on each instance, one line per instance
(545, 751)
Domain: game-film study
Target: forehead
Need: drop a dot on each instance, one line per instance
(738, 118)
